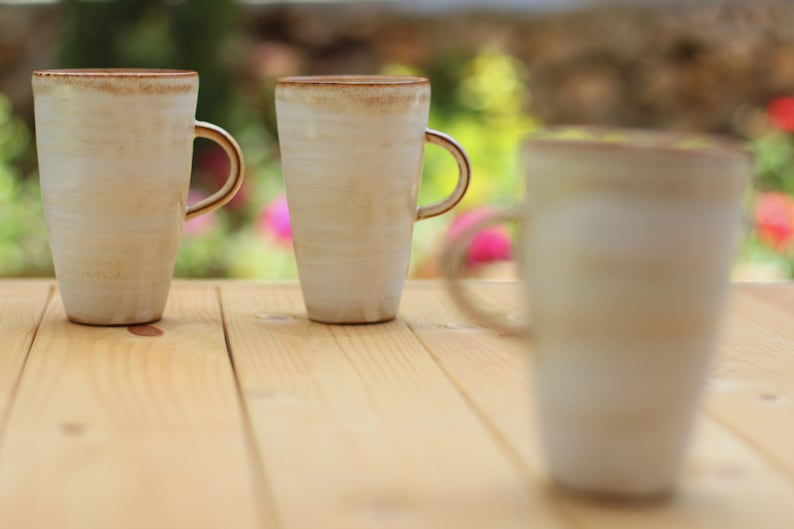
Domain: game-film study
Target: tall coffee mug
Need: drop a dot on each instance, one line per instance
(628, 238)
(352, 149)
(114, 149)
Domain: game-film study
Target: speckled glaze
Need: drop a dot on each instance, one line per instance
(627, 250)
(114, 150)
(352, 149)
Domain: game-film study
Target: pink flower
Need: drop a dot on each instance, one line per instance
(489, 245)
(274, 220)
(203, 223)
(774, 219)
(781, 113)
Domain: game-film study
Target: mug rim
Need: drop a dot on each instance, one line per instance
(115, 72)
(353, 80)
(659, 141)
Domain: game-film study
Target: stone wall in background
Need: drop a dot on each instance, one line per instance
(689, 67)
(700, 66)
(693, 68)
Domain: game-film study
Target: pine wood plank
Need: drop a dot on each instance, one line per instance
(752, 390)
(726, 483)
(22, 306)
(123, 430)
(359, 428)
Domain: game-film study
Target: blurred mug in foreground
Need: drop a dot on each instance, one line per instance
(114, 148)
(352, 148)
(627, 245)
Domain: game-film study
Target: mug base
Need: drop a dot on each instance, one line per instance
(92, 323)
(615, 496)
(331, 321)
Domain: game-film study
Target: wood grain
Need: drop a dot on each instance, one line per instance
(752, 389)
(22, 306)
(359, 428)
(726, 483)
(425, 422)
(113, 428)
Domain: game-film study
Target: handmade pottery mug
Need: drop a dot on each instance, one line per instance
(628, 238)
(352, 150)
(114, 150)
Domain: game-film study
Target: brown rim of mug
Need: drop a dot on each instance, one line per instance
(115, 72)
(353, 80)
(657, 141)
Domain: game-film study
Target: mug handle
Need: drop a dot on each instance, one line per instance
(452, 261)
(236, 171)
(464, 175)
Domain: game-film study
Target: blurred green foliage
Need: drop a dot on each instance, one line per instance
(478, 98)
(768, 239)
(23, 246)
(774, 161)
(192, 35)
(481, 104)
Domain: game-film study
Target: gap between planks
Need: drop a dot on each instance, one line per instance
(110, 428)
(362, 421)
(22, 307)
(261, 474)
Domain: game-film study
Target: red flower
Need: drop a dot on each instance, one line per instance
(774, 218)
(781, 113)
(488, 245)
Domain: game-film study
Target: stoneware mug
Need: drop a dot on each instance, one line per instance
(114, 150)
(352, 149)
(628, 238)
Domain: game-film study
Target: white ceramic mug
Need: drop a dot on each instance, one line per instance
(352, 149)
(627, 244)
(114, 150)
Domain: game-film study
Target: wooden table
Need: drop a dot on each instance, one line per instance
(236, 412)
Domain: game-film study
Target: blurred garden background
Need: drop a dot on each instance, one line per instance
(499, 69)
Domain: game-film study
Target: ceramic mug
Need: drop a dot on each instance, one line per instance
(628, 238)
(114, 149)
(352, 150)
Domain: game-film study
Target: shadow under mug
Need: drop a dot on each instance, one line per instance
(627, 242)
(114, 151)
